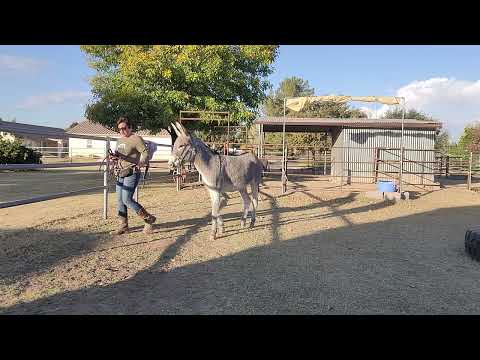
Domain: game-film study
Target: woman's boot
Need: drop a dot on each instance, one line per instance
(122, 224)
(149, 220)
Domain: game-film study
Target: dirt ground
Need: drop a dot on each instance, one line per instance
(311, 252)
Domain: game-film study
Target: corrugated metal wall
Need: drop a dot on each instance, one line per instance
(362, 147)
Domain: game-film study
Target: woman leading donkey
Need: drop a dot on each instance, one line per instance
(131, 154)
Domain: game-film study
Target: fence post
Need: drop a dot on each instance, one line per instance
(447, 166)
(177, 179)
(401, 171)
(470, 171)
(325, 163)
(423, 168)
(376, 164)
(284, 171)
(105, 180)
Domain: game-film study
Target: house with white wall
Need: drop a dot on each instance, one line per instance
(34, 136)
(96, 148)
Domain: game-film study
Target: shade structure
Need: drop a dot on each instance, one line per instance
(298, 103)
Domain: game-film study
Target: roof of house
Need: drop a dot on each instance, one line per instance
(28, 129)
(87, 127)
(274, 122)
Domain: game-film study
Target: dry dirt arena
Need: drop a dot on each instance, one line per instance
(311, 252)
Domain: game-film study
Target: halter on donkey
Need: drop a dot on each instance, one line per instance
(220, 174)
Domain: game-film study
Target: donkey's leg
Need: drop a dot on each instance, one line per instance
(246, 206)
(220, 221)
(223, 201)
(215, 198)
(254, 187)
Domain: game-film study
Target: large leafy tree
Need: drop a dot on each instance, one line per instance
(396, 113)
(151, 83)
(442, 142)
(289, 87)
(469, 141)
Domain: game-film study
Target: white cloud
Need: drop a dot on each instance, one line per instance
(455, 103)
(53, 98)
(374, 113)
(9, 63)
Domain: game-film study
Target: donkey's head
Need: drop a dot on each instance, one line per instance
(184, 148)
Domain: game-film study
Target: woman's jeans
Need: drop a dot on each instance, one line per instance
(125, 189)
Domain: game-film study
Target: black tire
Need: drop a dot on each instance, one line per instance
(472, 243)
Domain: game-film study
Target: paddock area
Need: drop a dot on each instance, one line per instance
(311, 252)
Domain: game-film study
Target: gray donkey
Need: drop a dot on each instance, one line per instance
(220, 174)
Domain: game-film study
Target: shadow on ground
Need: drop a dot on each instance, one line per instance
(407, 265)
(31, 250)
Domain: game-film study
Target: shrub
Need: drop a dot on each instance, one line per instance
(13, 152)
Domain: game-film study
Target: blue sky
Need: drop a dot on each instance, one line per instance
(48, 85)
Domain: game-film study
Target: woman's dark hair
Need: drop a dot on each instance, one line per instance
(124, 119)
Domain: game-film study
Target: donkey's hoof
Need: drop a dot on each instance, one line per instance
(252, 224)
(242, 223)
(221, 230)
(213, 236)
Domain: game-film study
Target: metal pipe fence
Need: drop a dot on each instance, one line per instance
(36, 199)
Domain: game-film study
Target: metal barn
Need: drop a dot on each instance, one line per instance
(366, 150)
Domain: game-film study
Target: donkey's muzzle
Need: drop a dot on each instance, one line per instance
(172, 163)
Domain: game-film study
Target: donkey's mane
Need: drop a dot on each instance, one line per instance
(200, 144)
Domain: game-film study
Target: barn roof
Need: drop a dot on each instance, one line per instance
(315, 124)
(32, 130)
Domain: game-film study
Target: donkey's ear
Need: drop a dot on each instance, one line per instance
(181, 128)
(175, 129)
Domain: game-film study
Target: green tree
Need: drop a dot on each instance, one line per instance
(442, 142)
(151, 83)
(396, 113)
(470, 139)
(289, 87)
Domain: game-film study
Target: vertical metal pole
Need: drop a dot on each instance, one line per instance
(423, 167)
(284, 181)
(177, 179)
(447, 166)
(260, 141)
(401, 150)
(105, 180)
(228, 134)
(263, 140)
(469, 186)
(325, 163)
(136, 190)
